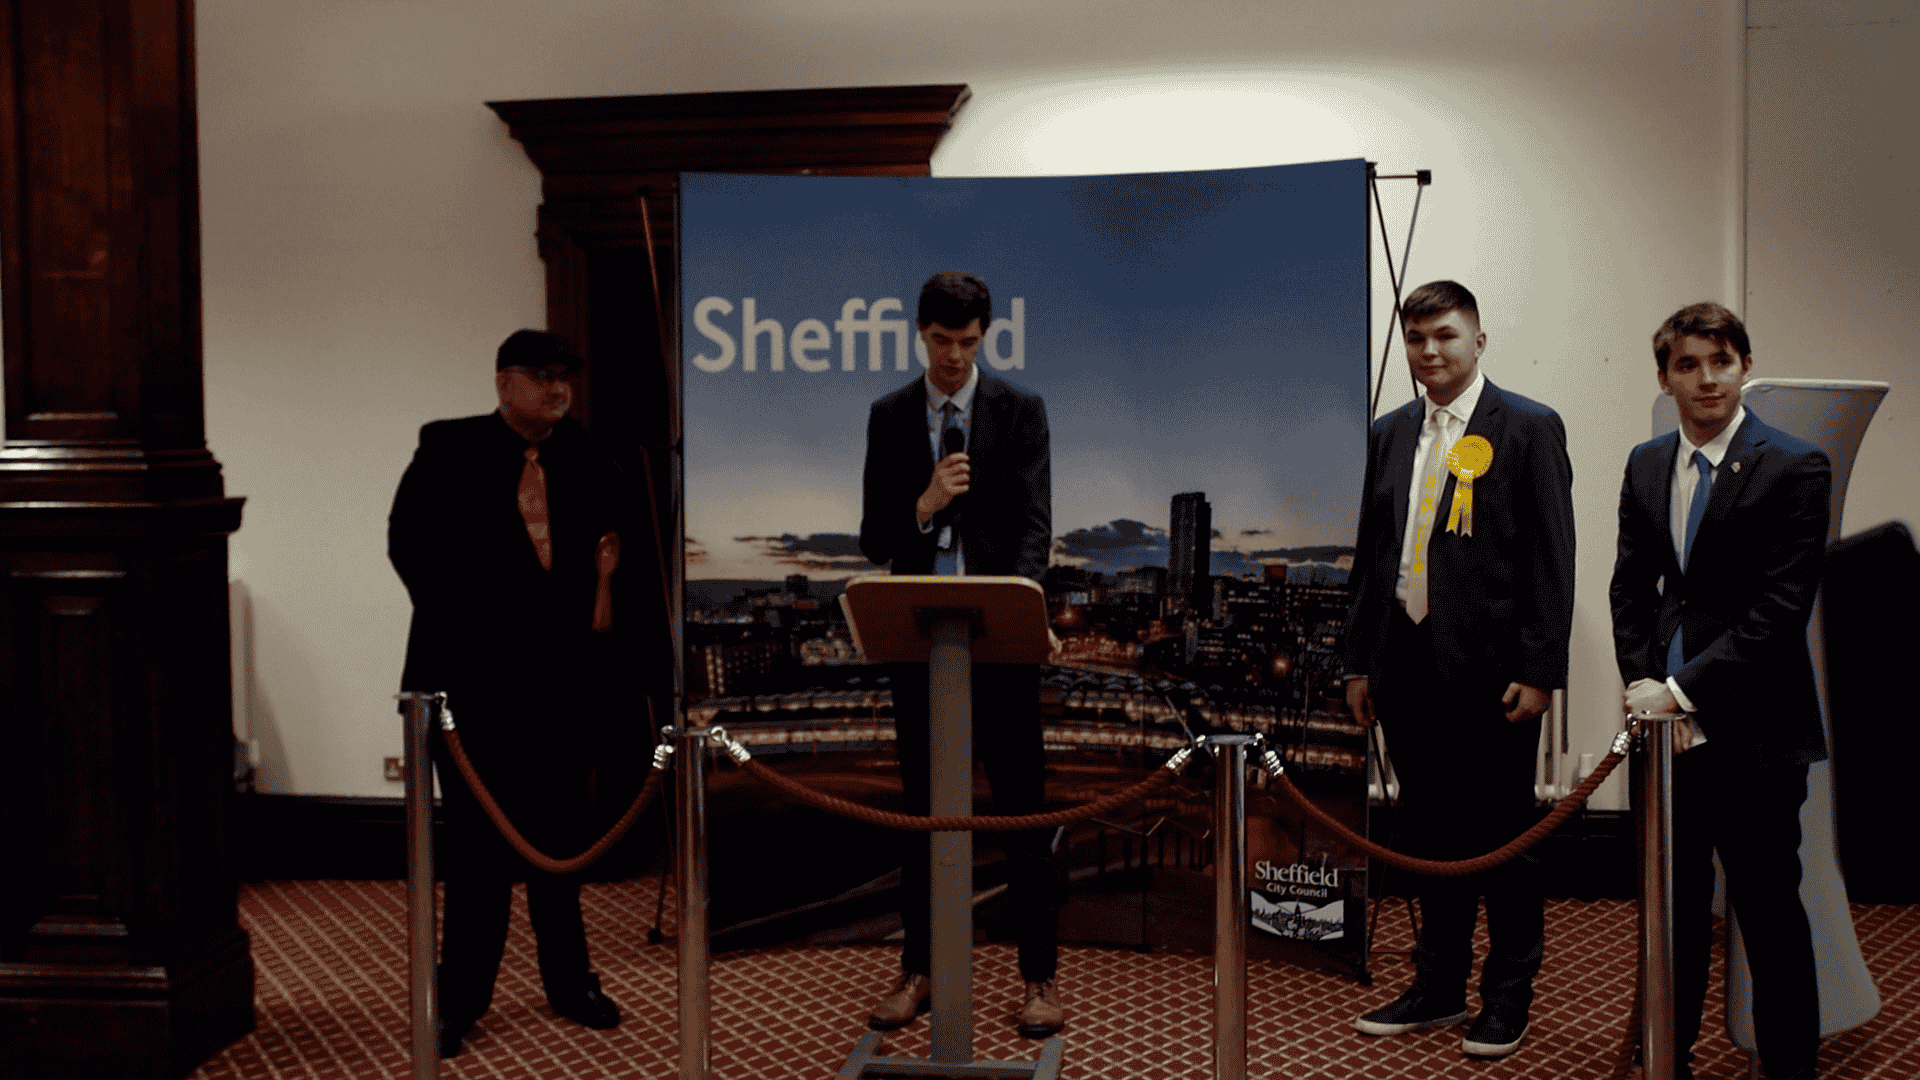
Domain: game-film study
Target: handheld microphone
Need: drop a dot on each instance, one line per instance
(953, 440)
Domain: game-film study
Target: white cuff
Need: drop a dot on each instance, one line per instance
(1679, 695)
(924, 528)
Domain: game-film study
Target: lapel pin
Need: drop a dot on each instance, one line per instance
(1736, 466)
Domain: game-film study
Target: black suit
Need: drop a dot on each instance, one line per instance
(1005, 528)
(1006, 516)
(1500, 610)
(513, 646)
(1742, 606)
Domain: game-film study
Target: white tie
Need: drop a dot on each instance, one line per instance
(1430, 485)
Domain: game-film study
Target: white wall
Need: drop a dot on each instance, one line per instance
(1833, 220)
(368, 228)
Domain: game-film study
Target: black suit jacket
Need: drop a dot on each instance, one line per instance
(1747, 593)
(487, 619)
(1006, 516)
(1500, 600)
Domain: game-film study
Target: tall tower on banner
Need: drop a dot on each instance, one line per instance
(1189, 553)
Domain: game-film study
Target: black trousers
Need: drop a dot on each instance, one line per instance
(1466, 788)
(1007, 743)
(548, 805)
(1751, 815)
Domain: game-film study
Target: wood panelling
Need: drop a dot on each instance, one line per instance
(608, 229)
(120, 950)
(99, 204)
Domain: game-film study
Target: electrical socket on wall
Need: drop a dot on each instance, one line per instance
(394, 768)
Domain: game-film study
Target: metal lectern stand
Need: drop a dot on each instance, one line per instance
(949, 623)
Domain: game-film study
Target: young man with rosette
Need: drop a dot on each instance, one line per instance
(1463, 604)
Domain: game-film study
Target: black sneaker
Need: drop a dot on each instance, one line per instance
(1412, 1011)
(590, 1007)
(1496, 1032)
(452, 1034)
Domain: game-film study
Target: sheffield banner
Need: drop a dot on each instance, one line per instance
(1199, 340)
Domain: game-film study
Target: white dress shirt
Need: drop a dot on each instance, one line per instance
(1685, 479)
(1454, 417)
(936, 405)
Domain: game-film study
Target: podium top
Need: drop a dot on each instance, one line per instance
(892, 615)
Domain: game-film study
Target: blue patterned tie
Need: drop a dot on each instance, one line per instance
(1696, 510)
(946, 560)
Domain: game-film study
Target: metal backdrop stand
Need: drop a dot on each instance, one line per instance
(949, 623)
(418, 711)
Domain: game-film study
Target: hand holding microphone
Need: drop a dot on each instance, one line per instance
(951, 479)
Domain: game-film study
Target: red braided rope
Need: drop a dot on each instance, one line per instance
(648, 791)
(1459, 868)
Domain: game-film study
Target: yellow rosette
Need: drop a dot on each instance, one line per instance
(1469, 459)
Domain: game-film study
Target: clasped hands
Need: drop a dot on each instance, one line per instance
(1523, 702)
(951, 478)
(1651, 697)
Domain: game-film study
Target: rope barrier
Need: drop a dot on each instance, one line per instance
(1460, 867)
(1159, 779)
(1164, 776)
(648, 791)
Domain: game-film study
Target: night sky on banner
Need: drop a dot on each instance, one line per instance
(1190, 331)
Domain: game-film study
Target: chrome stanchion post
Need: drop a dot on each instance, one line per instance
(1230, 916)
(950, 744)
(418, 710)
(1657, 1049)
(690, 796)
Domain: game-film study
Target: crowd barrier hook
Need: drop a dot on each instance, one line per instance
(418, 710)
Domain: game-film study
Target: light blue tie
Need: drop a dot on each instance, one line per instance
(1696, 510)
(946, 560)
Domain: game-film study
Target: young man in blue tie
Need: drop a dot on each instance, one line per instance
(1723, 526)
(958, 480)
(1463, 604)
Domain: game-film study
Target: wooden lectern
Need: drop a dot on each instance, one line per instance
(948, 623)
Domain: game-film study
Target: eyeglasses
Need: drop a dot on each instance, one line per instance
(543, 376)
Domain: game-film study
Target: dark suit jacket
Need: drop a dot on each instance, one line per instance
(1501, 600)
(485, 615)
(530, 683)
(1746, 596)
(1006, 517)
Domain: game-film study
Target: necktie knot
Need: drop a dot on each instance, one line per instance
(1701, 463)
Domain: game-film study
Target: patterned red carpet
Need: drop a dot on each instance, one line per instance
(332, 1003)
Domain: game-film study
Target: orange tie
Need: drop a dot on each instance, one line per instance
(533, 507)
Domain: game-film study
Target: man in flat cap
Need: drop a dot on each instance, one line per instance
(495, 531)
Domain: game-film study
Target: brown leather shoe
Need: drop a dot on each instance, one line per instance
(912, 997)
(1043, 1014)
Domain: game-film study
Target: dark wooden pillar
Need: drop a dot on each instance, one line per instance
(609, 231)
(120, 949)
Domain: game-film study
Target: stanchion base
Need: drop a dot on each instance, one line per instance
(867, 1061)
